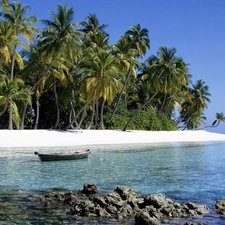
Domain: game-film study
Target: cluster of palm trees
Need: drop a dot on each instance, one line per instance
(68, 72)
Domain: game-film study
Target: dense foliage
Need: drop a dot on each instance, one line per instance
(68, 76)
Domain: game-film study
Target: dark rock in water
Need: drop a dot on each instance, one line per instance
(144, 218)
(220, 206)
(90, 189)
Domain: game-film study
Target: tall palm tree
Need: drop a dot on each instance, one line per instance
(128, 64)
(21, 25)
(100, 76)
(59, 39)
(8, 41)
(59, 76)
(173, 76)
(139, 39)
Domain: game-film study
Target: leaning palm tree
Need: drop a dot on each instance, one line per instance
(128, 64)
(151, 85)
(219, 118)
(193, 121)
(138, 40)
(164, 73)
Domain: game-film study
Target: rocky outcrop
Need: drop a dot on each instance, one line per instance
(125, 203)
(220, 206)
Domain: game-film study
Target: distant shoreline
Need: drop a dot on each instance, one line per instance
(57, 138)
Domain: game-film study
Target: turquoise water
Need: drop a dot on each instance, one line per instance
(183, 172)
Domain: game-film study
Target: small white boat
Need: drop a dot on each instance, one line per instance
(64, 156)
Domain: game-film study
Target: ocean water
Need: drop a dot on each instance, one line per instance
(183, 172)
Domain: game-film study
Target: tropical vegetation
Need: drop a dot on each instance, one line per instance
(68, 76)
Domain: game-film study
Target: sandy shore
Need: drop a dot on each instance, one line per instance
(53, 138)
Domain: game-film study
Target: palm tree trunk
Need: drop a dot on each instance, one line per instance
(74, 119)
(164, 100)
(10, 108)
(37, 113)
(168, 106)
(102, 109)
(74, 114)
(12, 68)
(57, 105)
(96, 115)
(212, 126)
(10, 118)
(5, 108)
(92, 116)
(81, 120)
(120, 95)
(135, 113)
(33, 88)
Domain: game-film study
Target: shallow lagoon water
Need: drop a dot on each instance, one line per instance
(183, 172)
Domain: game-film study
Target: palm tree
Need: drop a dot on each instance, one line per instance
(92, 26)
(59, 76)
(164, 73)
(219, 118)
(11, 93)
(21, 24)
(8, 40)
(128, 64)
(193, 107)
(139, 39)
(59, 40)
(193, 121)
(100, 78)
(200, 92)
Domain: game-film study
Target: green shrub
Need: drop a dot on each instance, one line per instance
(146, 119)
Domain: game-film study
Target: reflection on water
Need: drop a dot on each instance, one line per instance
(183, 172)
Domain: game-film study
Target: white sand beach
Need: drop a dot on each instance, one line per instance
(54, 138)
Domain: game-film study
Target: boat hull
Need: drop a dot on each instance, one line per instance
(64, 156)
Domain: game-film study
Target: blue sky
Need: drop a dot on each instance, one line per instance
(194, 27)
